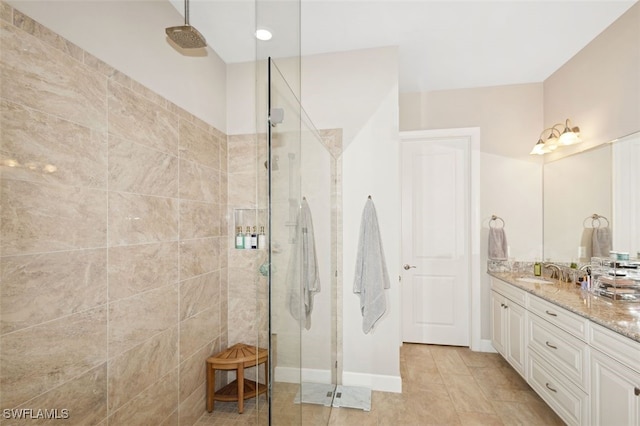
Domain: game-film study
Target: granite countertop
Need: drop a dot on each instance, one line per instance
(619, 316)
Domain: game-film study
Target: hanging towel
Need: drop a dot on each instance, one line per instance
(371, 269)
(497, 244)
(586, 241)
(303, 280)
(601, 241)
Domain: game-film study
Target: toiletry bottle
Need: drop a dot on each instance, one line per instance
(254, 239)
(247, 238)
(537, 269)
(239, 238)
(262, 239)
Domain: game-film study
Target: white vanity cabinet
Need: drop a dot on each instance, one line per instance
(589, 374)
(508, 324)
(615, 378)
(558, 359)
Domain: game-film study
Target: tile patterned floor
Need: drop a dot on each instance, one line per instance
(441, 385)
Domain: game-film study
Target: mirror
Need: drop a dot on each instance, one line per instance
(605, 181)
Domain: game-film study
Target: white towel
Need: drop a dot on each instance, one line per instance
(303, 279)
(498, 244)
(601, 242)
(371, 276)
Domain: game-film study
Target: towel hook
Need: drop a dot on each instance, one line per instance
(494, 220)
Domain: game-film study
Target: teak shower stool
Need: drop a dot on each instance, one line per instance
(237, 357)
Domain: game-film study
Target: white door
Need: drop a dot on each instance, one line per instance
(436, 239)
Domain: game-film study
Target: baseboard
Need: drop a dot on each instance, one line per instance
(293, 375)
(376, 382)
(486, 346)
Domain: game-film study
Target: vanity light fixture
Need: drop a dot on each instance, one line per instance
(570, 135)
(545, 146)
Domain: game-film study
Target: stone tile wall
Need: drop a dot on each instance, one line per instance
(113, 250)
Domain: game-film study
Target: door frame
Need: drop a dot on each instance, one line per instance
(475, 298)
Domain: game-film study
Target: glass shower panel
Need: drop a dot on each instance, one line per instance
(302, 259)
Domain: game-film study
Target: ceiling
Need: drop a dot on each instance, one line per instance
(441, 44)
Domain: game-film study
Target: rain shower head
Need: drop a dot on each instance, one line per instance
(185, 35)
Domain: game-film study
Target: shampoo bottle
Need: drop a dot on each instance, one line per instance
(254, 239)
(247, 238)
(262, 239)
(239, 238)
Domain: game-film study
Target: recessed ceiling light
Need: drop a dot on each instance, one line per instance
(263, 34)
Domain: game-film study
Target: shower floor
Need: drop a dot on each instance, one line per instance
(330, 395)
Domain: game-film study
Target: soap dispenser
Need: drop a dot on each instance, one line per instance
(537, 268)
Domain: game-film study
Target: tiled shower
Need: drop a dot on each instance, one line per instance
(113, 253)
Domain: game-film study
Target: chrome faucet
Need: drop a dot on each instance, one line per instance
(555, 273)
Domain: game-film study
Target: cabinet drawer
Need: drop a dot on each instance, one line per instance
(568, 353)
(618, 347)
(508, 291)
(567, 400)
(560, 317)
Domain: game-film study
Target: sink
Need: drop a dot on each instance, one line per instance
(533, 280)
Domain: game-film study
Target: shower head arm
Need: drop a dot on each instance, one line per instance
(186, 12)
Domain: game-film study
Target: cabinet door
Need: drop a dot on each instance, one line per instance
(615, 392)
(515, 341)
(498, 322)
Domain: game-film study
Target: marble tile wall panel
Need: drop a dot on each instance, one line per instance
(35, 75)
(45, 35)
(199, 257)
(38, 359)
(42, 287)
(172, 420)
(199, 220)
(199, 145)
(142, 170)
(224, 152)
(243, 154)
(152, 406)
(134, 269)
(134, 319)
(137, 369)
(199, 183)
(199, 330)
(85, 398)
(92, 314)
(42, 148)
(137, 219)
(6, 12)
(198, 294)
(242, 189)
(136, 118)
(43, 217)
(192, 408)
(193, 373)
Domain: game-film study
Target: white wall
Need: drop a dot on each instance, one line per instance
(358, 92)
(510, 119)
(599, 88)
(130, 37)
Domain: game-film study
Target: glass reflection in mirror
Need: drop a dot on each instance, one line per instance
(604, 180)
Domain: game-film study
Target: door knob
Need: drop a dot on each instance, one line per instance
(407, 266)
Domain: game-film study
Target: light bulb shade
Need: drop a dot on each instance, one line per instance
(568, 138)
(540, 148)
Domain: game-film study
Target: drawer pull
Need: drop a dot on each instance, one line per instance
(551, 313)
(551, 346)
(636, 391)
(550, 388)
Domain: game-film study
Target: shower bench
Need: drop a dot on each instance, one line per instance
(237, 357)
